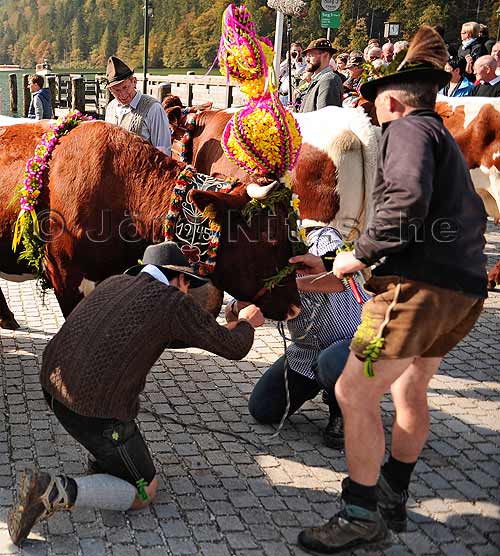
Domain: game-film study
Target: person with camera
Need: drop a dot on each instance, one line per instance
(298, 65)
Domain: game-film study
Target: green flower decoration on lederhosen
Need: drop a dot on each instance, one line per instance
(371, 338)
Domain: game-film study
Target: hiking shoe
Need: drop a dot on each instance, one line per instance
(342, 532)
(392, 504)
(333, 435)
(40, 495)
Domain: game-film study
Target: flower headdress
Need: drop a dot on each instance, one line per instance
(263, 137)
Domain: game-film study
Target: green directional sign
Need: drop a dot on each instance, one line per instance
(330, 20)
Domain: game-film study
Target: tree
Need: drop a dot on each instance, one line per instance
(359, 35)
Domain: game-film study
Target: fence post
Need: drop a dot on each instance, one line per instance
(228, 101)
(12, 92)
(163, 90)
(189, 101)
(26, 96)
(51, 81)
(78, 94)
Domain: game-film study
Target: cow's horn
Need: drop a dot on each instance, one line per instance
(255, 191)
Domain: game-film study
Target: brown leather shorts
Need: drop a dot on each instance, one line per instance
(418, 319)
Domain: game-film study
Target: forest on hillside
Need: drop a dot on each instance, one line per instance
(185, 33)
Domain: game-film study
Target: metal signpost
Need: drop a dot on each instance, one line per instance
(330, 15)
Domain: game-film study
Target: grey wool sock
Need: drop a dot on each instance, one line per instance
(104, 492)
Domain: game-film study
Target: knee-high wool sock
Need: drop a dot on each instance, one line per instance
(104, 492)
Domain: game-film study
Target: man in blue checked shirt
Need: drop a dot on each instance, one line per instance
(315, 358)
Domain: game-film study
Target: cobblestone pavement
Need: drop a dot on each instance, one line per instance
(220, 496)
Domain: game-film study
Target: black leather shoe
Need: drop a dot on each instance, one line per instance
(392, 504)
(342, 532)
(333, 435)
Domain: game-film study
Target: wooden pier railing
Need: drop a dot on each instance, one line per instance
(87, 91)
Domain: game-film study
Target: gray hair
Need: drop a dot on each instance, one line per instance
(417, 94)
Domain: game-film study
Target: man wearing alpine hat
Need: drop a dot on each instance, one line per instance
(95, 368)
(130, 109)
(325, 88)
(429, 285)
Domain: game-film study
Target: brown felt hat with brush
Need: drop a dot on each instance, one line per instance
(424, 61)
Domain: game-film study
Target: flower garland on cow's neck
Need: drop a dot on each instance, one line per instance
(282, 195)
(190, 126)
(26, 227)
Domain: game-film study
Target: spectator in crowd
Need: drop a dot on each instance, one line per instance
(378, 63)
(41, 100)
(325, 88)
(489, 82)
(459, 85)
(138, 113)
(495, 52)
(388, 52)
(375, 53)
(306, 78)
(472, 48)
(371, 43)
(400, 46)
(355, 68)
(342, 63)
(298, 65)
(484, 37)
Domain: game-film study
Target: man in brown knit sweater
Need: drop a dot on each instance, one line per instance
(95, 368)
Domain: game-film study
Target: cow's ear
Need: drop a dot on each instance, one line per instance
(219, 203)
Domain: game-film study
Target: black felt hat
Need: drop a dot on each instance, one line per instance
(117, 71)
(168, 258)
(321, 44)
(424, 61)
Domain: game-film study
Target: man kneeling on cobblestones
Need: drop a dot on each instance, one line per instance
(94, 369)
(429, 290)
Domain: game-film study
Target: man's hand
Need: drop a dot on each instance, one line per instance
(311, 264)
(233, 308)
(346, 263)
(253, 315)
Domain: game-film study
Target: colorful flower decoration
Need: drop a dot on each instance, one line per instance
(263, 138)
(243, 55)
(190, 126)
(26, 225)
(183, 185)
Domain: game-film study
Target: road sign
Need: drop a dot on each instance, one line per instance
(330, 5)
(330, 20)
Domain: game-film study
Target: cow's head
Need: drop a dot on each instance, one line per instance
(251, 253)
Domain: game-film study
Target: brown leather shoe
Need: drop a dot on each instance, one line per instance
(341, 533)
(40, 495)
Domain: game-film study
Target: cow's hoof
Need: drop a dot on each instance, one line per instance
(9, 324)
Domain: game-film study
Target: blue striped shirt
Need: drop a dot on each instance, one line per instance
(326, 318)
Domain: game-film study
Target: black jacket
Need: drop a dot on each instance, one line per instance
(428, 221)
(486, 90)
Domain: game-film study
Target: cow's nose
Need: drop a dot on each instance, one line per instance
(293, 312)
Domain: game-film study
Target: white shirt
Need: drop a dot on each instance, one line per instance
(155, 272)
(493, 81)
(155, 128)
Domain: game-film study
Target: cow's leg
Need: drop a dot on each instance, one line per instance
(7, 319)
(65, 280)
(494, 277)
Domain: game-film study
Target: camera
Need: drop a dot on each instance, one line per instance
(294, 54)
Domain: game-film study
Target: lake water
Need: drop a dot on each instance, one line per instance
(4, 83)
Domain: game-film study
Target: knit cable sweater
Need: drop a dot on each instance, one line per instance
(96, 365)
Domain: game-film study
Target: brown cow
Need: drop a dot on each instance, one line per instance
(106, 198)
